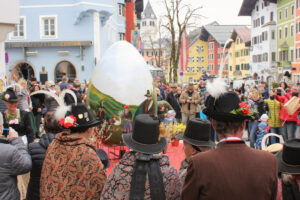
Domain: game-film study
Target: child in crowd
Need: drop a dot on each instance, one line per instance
(262, 130)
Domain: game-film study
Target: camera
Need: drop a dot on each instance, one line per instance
(5, 132)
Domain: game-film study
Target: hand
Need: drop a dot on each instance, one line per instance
(192, 101)
(30, 108)
(39, 110)
(12, 133)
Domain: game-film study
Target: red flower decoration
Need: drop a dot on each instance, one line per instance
(68, 122)
(245, 108)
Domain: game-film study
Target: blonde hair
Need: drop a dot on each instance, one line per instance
(157, 91)
(22, 81)
(287, 178)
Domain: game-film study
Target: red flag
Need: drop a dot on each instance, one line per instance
(184, 51)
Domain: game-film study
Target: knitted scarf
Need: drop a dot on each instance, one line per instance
(147, 165)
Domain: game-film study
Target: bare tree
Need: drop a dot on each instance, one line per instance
(179, 18)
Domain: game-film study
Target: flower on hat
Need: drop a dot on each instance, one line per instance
(67, 122)
(244, 109)
(6, 96)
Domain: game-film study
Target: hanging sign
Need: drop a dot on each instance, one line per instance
(6, 58)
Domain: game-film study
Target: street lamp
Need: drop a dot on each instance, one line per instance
(222, 60)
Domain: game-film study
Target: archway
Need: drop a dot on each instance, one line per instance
(64, 68)
(23, 70)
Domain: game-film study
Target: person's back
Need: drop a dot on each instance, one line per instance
(15, 161)
(37, 151)
(239, 171)
(233, 170)
(121, 176)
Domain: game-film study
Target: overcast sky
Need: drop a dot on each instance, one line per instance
(222, 11)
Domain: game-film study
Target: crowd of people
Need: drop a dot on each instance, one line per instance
(64, 160)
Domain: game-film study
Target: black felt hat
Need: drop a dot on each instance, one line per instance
(197, 133)
(84, 118)
(148, 94)
(144, 138)
(288, 159)
(220, 109)
(9, 95)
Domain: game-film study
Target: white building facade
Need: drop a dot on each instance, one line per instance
(263, 38)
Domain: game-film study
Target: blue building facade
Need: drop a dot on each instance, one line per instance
(63, 37)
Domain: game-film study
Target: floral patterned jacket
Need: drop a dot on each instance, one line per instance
(118, 183)
(72, 169)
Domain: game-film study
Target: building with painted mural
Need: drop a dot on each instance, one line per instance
(198, 58)
(66, 37)
(285, 36)
(217, 37)
(239, 54)
(296, 63)
(263, 51)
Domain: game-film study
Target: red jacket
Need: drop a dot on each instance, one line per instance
(284, 116)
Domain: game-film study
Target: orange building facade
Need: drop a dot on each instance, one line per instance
(296, 64)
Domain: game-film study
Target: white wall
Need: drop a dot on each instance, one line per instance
(265, 46)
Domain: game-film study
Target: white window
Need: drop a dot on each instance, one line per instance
(280, 34)
(292, 30)
(48, 26)
(121, 9)
(20, 30)
(286, 12)
(280, 15)
(211, 45)
(121, 36)
(191, 79)
(286, 32)
(144, 23)
(293, 10)
(298, 3)
(298, 26)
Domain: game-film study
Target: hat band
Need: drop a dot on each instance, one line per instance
(289, 165)
(142, 143)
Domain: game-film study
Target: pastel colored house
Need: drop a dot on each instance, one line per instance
(217, 37)
(239, 52)
(63, 37)
(285, 35)
(263, 51)
(198, 58)
(296, 63)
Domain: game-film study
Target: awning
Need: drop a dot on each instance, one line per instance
(48, 44)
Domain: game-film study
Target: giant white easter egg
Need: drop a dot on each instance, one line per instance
(121, 78)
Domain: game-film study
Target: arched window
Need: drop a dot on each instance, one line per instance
(65, 68)
(23, 70)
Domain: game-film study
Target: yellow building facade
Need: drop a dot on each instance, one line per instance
(198, 61)
(239, 56)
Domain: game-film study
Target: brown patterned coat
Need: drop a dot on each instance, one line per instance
(118, 183)
(72, 169)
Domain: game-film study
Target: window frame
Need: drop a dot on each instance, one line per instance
(18, 37)
(121, 7)
(42, 27)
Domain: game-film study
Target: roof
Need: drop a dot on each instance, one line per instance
(248, 6)
(243, 33)
(148, 11)
(194, 36)
(221, 33)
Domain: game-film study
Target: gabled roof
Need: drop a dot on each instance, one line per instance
(243, 33)
(248, 6)
(221, 33)
(194, 36)
(148, 12)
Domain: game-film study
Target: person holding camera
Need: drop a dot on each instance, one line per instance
(189, 100)
(290, 121)
(15, 160)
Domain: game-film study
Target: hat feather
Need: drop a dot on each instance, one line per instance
(216, 87)
(61, 111)
(67, 91)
